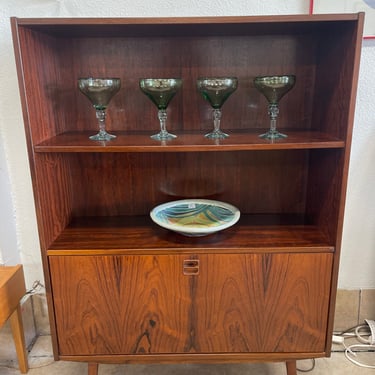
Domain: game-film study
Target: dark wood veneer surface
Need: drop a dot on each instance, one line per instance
(186, 142)
(255, 303)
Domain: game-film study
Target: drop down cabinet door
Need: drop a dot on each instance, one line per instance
(206, 303)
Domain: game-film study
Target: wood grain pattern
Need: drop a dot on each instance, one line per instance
(132, 184)
(237, 303)
(140, 297)
(53, 198)
(324, 189)
(263, 303)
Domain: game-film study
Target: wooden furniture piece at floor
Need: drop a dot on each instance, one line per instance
(264, 289)
(12, 289)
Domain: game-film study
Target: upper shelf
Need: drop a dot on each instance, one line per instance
(141, 142)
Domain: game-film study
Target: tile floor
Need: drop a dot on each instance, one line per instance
(41, 363)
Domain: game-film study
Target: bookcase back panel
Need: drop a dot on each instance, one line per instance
(126, 184)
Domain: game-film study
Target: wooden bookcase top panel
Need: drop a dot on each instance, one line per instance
(236, 25)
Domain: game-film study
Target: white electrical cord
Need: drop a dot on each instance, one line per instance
(370, 340)
(366, 344)
(349, 354)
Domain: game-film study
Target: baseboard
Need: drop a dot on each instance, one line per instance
(353, 306)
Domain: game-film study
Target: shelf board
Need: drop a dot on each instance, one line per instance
(187, 142)
(139, 235)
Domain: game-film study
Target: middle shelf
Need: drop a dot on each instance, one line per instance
(139, 235)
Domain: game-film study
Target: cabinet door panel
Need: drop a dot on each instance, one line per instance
(263, 302)
(234, 303)
(120, 304)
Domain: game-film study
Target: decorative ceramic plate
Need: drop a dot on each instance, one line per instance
(195, 217)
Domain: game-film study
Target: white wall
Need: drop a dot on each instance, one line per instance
(358, 252)
(18, 235)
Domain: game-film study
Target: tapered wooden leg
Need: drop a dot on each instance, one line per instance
(291, 367)
(19, 339)
(93, 368)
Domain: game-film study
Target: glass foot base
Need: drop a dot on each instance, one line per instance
(216, 135)
(273, 135)
(162, 136)
(102, 136)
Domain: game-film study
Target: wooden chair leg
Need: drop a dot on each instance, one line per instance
(291, 367)
(93, 368)
(19, 339)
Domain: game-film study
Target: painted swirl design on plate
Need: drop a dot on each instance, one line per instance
(195, 215)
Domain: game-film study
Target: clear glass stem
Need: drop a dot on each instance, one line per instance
(163, 134)
(216, 133)
(273, 111)
(216, 115)
(101, 115)
(162, 116)
(102, 135)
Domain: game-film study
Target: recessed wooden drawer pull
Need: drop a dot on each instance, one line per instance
(191, 267)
